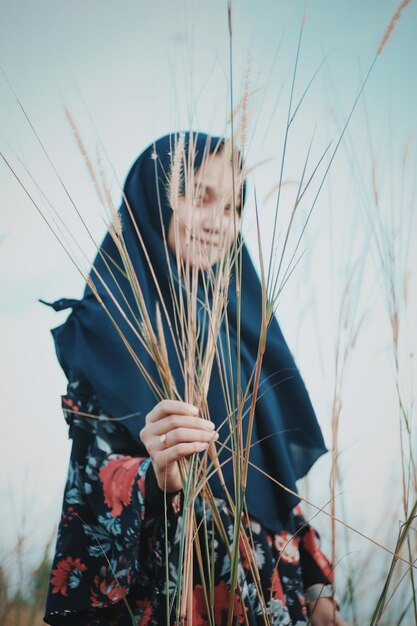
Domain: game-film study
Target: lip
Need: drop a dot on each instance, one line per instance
(205, 242)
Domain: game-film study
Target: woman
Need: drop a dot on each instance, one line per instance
(122, 510)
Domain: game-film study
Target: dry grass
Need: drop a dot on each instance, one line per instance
(392, 24)
(24, 616)
(391, 244)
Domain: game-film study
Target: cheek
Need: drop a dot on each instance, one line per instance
(229, 232)
(185, 227)
(185, 214)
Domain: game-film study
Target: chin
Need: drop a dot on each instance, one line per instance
(202, 265)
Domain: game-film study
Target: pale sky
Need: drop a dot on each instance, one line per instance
(145, 68)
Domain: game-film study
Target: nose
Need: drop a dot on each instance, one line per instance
(211, 220)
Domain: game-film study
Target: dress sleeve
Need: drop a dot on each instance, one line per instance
(315, 566)
(112, 507)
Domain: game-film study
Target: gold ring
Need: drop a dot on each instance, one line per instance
(163, 439)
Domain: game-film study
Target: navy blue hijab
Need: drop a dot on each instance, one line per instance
(286, 438)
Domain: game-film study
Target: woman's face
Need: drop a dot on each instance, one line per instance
(206, 225)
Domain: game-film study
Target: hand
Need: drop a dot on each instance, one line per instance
(185, 434)
(323, 613)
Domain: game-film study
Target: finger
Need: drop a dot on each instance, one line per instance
(177, 452)
(166, 407)
(165, 424)
(184, 435)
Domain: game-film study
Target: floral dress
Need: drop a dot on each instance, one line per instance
(109, 566)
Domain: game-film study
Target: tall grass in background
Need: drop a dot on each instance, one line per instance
(390, 216)
(24, 605)
(391, 242)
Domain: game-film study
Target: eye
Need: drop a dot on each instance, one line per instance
(199, 196)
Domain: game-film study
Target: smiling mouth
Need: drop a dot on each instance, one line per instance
(205, 242)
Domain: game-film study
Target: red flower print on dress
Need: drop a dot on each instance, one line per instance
(108, 588)
(276, 587)
(70, 403)
(221, 604)
(67, 573)
(145, 612)
(287, 545)
(311, 544)
(117, 478)
(199, 607)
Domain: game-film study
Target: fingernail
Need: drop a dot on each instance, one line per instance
(215, 436)
(211, 425)
(194, 410)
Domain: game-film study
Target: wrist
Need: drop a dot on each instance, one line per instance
(155, 497)
(315, 592)
(169, 487)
